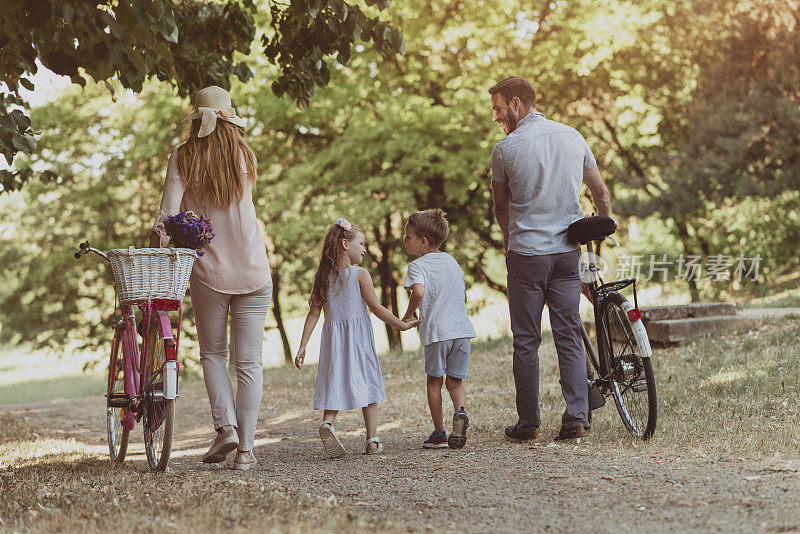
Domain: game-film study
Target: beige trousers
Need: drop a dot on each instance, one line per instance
(248, 315)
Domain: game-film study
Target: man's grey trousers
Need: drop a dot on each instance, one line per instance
(532, 282)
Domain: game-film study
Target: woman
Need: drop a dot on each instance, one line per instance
(213, 173)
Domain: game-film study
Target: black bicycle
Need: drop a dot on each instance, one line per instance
(620, 367)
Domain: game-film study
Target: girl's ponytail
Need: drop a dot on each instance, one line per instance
(329, 259)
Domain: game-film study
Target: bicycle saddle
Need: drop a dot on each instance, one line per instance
(590, 229)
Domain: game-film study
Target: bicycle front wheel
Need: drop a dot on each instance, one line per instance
(159, 413)
(632, 382)
(115, 416)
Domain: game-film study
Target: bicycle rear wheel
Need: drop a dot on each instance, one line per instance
(115, 416)
(632, 382)
(159, 413)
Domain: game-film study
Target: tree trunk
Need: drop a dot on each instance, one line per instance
(388, 283)
(683, 232)
(276, 312)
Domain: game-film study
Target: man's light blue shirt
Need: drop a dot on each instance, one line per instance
(543, 162)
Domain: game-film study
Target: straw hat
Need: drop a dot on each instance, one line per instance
(212, 103)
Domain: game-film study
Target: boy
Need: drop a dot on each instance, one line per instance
(436, 283)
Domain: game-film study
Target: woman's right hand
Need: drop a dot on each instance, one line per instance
(301, 356)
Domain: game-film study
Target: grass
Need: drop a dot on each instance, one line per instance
(65, 387)
(786, 299)
(723, 399)
(62, 485)
(68, 492)
(38, 375)
(735, 396)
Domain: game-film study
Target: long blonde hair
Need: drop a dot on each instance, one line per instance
(329, 260)
(211, 166)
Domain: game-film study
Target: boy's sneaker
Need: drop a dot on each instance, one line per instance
(437, 440)
(458, 437)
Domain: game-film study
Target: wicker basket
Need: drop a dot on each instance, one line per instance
(151, 273)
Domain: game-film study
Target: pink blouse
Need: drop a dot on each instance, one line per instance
(235, 262)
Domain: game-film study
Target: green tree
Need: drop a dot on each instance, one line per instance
(648, 84)
(734, 161)
(109, 162)
(190, 44)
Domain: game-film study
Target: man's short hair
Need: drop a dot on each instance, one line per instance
(515, 86)
(431, 224)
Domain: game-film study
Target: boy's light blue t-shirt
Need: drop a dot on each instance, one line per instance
(443, 310)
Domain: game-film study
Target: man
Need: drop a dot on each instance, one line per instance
(537, 172)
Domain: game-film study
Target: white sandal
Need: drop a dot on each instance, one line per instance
(330, 441)
(376, 450)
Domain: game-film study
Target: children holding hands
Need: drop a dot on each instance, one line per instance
(349, 374)
(436, 283)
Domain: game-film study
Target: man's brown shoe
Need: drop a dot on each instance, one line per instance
(574, 432)
(515, 434)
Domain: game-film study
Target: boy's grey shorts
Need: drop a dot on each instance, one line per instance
(450, 356)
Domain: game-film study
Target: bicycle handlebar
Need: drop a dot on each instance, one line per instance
(85, 248)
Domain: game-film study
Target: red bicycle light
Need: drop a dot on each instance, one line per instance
(170, 350)
(162, 304)
(634, 314)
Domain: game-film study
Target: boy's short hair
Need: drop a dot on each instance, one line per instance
(431, 224)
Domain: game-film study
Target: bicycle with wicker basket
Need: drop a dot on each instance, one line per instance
(143, 377)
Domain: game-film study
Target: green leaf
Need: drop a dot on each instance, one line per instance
(21, 120)
(25, 143)
(7, 122)
(168, 29)
(243, 72)
(343, 56)
(61, 63)
(395, 39)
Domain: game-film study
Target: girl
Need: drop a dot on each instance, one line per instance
(213, 173)
(349, 375)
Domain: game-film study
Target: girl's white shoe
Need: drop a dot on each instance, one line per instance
(330, 441)
(376, 450)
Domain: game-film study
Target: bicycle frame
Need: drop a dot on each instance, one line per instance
(598, 290)
(135, 361)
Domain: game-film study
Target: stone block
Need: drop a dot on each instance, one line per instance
(684, 311)
(681, 330)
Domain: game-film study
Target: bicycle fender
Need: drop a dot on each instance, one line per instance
(639, 332)
(170, 367)
(163, 320)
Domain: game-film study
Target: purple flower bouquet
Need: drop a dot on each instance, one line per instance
(189, 230)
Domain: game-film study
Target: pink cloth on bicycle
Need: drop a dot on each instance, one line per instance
(235, 262)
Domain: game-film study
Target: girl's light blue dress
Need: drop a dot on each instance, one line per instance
(349, 374)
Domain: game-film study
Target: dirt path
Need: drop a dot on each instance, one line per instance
(489, 486)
